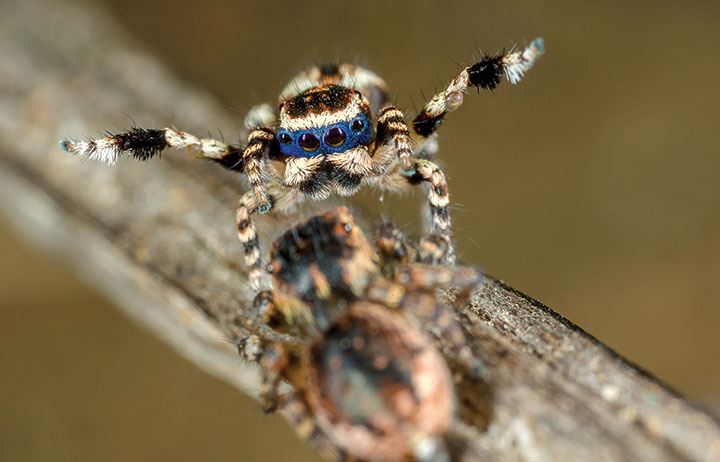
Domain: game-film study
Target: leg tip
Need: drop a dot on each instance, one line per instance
(264, 208)
(409, 172)
(66, 145)
(539, 43)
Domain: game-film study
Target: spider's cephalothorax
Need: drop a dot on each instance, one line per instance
(333, 132)
(368, 383)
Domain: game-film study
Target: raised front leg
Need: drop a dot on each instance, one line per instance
(485, 74)
(146, 143)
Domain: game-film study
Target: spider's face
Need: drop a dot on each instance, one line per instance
(320, 265)
(325, 120)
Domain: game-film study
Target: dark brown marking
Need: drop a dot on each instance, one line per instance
(143, 143)
(325, 98)
(425, 124)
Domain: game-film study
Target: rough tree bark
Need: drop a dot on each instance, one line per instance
(160, 240)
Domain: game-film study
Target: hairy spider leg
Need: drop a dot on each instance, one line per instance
(280, 199)
(146, 143)
(393, 131)
(261, 144)
(439, 199)
(486, 74)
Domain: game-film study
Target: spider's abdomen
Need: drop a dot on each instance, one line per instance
(377, 387)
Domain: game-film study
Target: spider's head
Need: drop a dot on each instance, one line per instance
(319, 266)
(324, 120)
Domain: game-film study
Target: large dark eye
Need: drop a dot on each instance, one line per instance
(335, 137)
(284, 138)
(309, 142)
(357, 125)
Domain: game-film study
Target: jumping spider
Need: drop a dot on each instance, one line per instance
(367, 383)
(334, 131)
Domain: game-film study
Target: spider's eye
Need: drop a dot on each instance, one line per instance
(335, 137)
(309, 142)
(357, 125)
(284, 138)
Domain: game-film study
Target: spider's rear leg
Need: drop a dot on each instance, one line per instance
(146, 143)
(273, 360)
(294, 407)
(433, 250)
(394, 249)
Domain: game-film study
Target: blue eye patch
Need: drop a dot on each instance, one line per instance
(329, 139)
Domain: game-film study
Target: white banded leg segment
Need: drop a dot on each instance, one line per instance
(297, 411)
(251, 245)
(146, 143)
(439, 200)
(254, 157)
(515, 64)
(393, 131)
(486, 73)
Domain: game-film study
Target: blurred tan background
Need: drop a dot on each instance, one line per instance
(593, 186)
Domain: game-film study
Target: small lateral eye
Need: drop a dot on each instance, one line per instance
(284, 138)
(309, 142)
(357, 125)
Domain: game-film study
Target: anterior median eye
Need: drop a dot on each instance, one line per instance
(335, 137)
(284, 138)
(309, 142)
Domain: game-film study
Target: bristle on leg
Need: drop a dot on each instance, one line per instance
(486, 74)
(516, 64)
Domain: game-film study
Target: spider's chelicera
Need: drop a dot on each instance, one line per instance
(333, 132)
(367, 383)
